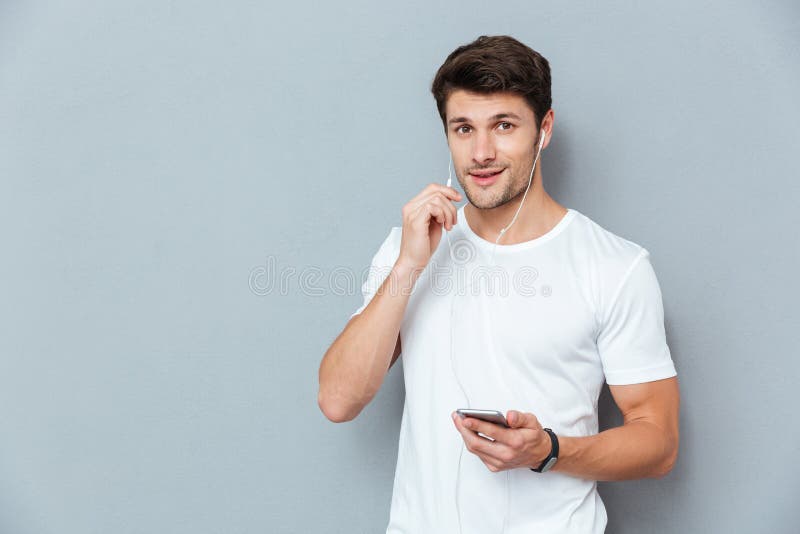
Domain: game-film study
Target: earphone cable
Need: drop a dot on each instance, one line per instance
(452, 358)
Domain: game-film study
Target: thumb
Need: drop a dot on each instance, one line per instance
(520, 419)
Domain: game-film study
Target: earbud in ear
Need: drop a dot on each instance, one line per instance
(541, 141)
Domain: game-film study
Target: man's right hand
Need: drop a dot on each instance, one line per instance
(423, 216)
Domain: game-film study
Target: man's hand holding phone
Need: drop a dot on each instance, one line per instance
(524, 443)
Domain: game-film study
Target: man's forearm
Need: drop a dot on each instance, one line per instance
(355, 365)
(637, 449)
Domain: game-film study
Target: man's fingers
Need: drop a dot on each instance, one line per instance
(448, 210)
(428, 211)
(497, 432)
(438, 208)
(416, 203)
(493, 450)
(433, 187)
(522, 420)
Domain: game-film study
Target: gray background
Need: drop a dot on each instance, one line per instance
(154, 157)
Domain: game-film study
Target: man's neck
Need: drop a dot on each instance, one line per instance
(539, 214)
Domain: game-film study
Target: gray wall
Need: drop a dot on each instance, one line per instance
(155, 159)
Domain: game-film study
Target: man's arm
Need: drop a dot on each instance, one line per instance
(645, 445)
(354, 367)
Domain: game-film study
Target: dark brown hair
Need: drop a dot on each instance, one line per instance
(492, 64)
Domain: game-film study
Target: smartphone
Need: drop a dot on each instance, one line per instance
(492, 416)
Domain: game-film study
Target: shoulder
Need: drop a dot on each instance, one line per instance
(612, 254)
(610, 260)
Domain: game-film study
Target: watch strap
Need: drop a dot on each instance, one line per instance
(550, 461)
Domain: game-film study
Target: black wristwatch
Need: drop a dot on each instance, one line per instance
(551, 459)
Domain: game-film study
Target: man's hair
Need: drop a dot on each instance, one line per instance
(491, 64)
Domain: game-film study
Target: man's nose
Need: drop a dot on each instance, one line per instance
(483, 148)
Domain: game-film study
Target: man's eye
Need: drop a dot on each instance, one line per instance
(510, 126)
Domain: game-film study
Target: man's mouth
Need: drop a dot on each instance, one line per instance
(485, 176)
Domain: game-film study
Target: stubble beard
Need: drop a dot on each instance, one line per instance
(486, 199)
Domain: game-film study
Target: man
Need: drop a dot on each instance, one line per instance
(585, 307)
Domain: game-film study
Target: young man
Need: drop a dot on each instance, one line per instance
(583, 307)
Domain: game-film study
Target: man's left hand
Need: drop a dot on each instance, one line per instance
(525, 444)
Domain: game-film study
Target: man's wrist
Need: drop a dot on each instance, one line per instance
(542, 452)
(544, 462)
(568, 447)
(405, 275)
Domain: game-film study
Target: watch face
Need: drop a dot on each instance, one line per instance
(550, 463)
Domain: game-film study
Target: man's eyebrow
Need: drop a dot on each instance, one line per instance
(507, 115)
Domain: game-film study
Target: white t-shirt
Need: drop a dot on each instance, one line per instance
(558, 316)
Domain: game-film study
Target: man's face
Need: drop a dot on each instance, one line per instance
(494, 132)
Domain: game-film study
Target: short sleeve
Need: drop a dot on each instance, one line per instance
(632, 342)
(380, 267)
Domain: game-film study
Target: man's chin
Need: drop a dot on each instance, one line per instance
(487, 200)
(484, 203)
